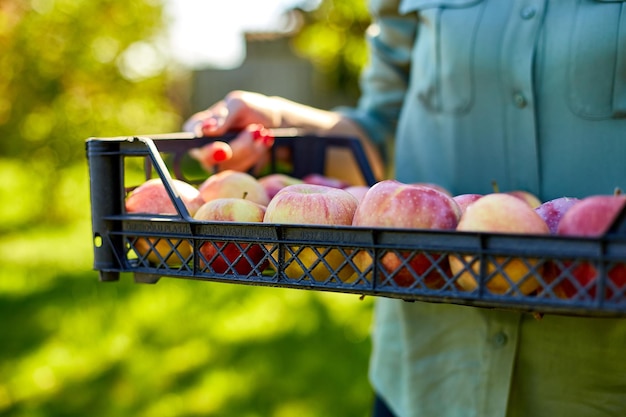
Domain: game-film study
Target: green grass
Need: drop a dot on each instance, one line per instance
(73, 346)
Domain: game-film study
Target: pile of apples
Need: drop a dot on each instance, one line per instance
(233, 196)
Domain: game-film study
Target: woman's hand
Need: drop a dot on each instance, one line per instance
(240, 111)
(253, 113)
(235, 112)
(248, 149)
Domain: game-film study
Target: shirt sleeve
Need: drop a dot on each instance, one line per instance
(385, 79)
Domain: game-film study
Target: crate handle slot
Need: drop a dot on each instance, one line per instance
(309, 151)
(164, 174)
(618, 227)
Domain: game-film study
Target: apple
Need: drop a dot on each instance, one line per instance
(236, 184)
(526, 196)
(273, 183)
(531, 199)
(435, 186)
(358, 191)
(319, 205)
(319, 179)
(393, 204)
(151, 197)
(499, 213)
(221, 255)
(464, 200)
(553, 210)
(590, 217)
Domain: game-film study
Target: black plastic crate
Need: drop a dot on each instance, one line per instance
(341, 259)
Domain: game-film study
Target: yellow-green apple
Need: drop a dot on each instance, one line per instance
(552, 211)
(526, 196)
(151, 197)
(273, 183)
(319, 179)
(531, 199)
(393, 204)
(313, 204)
(242, 257)
(499, 213)
(590, 217)
(236, 184)
(358, 191)
(464, 200)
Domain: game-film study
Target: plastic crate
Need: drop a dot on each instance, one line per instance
(271, 252)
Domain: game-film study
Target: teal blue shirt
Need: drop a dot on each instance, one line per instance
(531, 94)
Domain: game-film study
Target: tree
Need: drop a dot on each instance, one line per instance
(73, 69)
(332, 37)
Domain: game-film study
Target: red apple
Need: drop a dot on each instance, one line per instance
(318, 179)
(313, 204)
(151, 197)
(553, 210)
(273, 183)
(501, 213)
(464, 200)
(435, 186)
(393, 204)
(233, 184)
(219, 255)
(590, 217)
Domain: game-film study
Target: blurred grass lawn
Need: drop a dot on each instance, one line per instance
(73, 346)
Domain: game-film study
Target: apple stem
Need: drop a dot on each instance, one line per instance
(618, 191)
(245, 194)
(494, 185)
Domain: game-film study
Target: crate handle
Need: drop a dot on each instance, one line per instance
(164, 174)
(308, 149)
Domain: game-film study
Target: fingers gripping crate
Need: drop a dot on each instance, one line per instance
(545, 274)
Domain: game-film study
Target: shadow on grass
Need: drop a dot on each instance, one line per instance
(28, 319)
(191, 349)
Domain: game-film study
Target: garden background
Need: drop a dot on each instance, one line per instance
(73, 346)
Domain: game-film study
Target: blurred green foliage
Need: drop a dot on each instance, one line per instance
(73, 69)
(73, 346)
(332, 38)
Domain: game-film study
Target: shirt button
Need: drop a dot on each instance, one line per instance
(500, 339)
(528, 12)
(519, 100)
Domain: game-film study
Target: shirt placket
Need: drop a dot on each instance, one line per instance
(517, 59)
(500, 350)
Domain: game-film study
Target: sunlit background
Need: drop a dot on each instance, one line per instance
(73, 346)
(210, 33)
